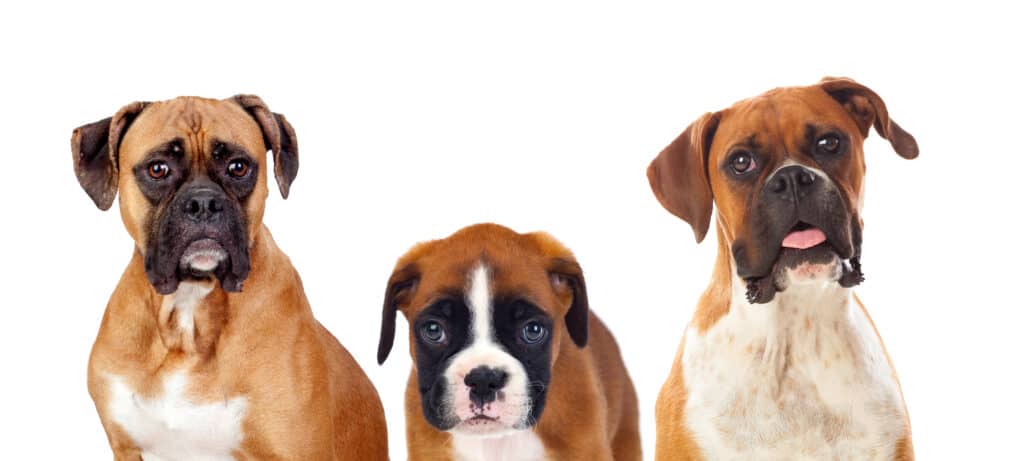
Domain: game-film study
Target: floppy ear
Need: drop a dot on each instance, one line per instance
(566, 274)
(401, 286)
(679, 177)
(279, 137)
(867, 108)
(94, 152)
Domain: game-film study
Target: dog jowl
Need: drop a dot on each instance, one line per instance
(192, 183)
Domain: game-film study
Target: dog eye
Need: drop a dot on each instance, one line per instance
(158, 170)
(534, 333)
(829, 144)
(433, 332)
(238, 168)
(742, 162)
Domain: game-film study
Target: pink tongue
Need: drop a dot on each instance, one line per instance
(803, 239)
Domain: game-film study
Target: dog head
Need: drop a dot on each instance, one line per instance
(786, 172)
(191, 174)
(488, 310)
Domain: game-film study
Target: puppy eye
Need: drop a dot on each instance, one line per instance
(433, 332)
(238, 168)
(158, 170)
(742, 162)
(828, 144)
(534, 333)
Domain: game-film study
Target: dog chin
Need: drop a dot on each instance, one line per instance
(202, 257)
(482, 426)
(815, 265)
(820, 265)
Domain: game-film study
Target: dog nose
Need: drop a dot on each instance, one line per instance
(484, 384)
(203, 205)
(791, 181)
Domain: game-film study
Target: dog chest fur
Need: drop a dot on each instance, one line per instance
(517, 446)
(171, 426)
(803, 377)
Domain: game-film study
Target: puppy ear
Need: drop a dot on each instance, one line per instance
(94, 152)
(867, 108)
(679, 177)
(279, 137)
(401, 285)
(566, 274)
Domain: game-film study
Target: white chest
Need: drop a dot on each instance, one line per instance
(802, 378)
(518, 446)
(170, 426)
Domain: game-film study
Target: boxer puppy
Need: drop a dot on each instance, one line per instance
(781, 361)
(510, 363)
(208, 349)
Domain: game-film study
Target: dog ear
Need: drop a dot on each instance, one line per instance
(679, 177)
(279, 137)
(94, 152)
(867, 108)
(566, 274)
(401, 285)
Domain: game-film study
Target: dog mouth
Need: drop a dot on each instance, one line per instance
(804, 253)
(803, 236)
(207, 254)
(483, 425)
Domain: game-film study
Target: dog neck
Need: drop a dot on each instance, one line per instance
(193, 319)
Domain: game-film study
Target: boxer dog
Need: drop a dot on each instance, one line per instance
(510, 364)
(781, 361)
(208, 349)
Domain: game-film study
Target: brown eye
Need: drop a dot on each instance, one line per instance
(742, 162)
(238, 168)
(829, 144)
(158, 170)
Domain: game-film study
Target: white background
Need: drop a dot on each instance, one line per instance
(416, 119)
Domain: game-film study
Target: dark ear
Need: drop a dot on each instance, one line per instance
(279, 137)
(566, 274)
(94, 152)
(401, 286)
(867, 108)
(679, 177)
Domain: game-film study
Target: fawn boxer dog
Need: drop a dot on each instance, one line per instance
(509, 362)
(208, 349)
(781, 360)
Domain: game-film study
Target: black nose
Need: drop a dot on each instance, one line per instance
(484, 384)
(791, 182)
(204, 205)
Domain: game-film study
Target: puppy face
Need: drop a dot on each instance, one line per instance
(488, 309)
(191, 173)
(785, 170)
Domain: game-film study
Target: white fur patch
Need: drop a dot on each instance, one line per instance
(801, 378)
(172, 427)
(513, 404)
(183, 304)
(516, 446)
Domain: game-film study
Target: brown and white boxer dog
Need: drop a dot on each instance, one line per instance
(510, 364)
(188, 365)
(781, 361)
